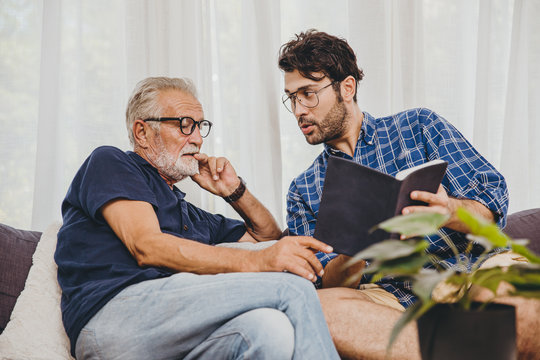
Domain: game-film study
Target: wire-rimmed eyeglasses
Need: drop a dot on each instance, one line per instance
(187, 124)
(306, 97)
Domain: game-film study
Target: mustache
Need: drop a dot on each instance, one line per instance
(303, 121)
(189, 149)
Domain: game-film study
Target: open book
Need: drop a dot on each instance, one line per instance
(355, 198)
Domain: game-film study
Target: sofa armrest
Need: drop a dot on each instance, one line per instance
(525, 225)
(16, 250)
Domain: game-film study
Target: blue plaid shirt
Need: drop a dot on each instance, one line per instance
(398, 142)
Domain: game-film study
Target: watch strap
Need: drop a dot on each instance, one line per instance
(237, 194)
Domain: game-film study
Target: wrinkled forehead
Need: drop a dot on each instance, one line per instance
(176, 103)
(294, 81)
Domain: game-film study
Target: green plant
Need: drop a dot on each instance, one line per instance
(406, 260)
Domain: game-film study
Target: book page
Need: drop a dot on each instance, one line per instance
(404, 173)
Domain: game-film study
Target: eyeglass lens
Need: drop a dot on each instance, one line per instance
(187, 126)
(307, 98)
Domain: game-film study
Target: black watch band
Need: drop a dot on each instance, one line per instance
(237, 194)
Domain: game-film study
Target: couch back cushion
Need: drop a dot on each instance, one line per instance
(16, 250)
(525, 225)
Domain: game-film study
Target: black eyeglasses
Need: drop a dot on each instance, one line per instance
(307, 98)
(187, 124)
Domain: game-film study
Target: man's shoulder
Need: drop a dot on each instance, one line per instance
(109, 156)
(107, 151)
(410, 115)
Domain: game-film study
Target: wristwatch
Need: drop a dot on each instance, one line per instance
(237, 194)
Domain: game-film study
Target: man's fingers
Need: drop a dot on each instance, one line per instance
(212, 167)
(424, 196)
(425, 209)
(201, 158)
(312, 260)
(313, 243)
(221, 163)
(301, 268)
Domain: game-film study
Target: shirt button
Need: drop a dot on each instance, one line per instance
(186, 228)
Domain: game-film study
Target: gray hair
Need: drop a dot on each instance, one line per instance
(143, 103)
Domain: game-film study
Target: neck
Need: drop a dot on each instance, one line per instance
(142, 153)
(347, 142)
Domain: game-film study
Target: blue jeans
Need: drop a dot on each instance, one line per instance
(225, 316)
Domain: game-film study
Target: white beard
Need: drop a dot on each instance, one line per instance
(180, 168)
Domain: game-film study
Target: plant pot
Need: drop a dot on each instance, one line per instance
(448, 332)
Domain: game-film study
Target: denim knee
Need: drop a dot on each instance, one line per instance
(269, 334)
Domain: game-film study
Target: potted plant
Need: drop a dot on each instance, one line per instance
(442, 322)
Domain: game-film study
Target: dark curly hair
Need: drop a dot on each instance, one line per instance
(316, 51)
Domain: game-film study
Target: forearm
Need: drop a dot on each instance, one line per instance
(183, 255)
(292, 254)
(261, 225)
(472, 206)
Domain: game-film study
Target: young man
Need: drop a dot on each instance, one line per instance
(140, 278)
(321, 78)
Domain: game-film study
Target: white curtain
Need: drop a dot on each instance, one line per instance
(67, 69)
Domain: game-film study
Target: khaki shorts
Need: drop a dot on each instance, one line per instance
(380, 296)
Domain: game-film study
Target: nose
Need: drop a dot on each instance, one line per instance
(299, 109)
(195, 137)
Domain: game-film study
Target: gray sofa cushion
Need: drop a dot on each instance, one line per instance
(16, 250)
(525, 225)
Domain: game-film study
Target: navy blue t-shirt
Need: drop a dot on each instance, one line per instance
(93, 263)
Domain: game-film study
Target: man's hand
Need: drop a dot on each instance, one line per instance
(216, 174)
(442, 203)
(337, 275)
(294, 254)
(439, 202)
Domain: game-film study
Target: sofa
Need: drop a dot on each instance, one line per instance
(30, 320)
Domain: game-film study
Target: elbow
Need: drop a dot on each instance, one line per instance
(141, 251)
(142, 258)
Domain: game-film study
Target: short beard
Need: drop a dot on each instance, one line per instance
(332, 126)
(176, 169)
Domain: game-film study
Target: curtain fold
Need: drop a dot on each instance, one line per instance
(520, 146)
(67, 69)
(48, 159)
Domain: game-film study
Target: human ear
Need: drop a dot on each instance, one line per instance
(140, 133)
(348, 88)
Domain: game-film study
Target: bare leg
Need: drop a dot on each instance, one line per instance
(361, 329)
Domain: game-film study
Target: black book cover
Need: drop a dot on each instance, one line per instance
(355, 198)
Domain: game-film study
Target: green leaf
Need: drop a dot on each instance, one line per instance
(490, 278)
(520, 249)
(523, 242)
(525, 278)
(527, 294)
(412, 313)
(390, 249)
(415, 224)
(427, 280)
(488, 245)
(482, 227)
(404, 266)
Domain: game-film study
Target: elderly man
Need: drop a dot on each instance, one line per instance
(140, 278)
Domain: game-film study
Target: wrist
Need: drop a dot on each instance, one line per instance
(251, 262)
(237, 193)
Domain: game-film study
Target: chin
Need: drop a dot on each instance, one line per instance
(314, 140)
